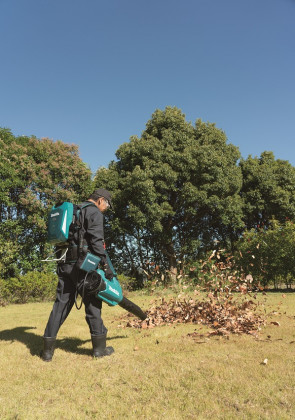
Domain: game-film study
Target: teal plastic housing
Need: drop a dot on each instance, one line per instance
(112, 294)
(59, 221)
(90, 262)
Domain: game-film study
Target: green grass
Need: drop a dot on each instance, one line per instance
(158, 373)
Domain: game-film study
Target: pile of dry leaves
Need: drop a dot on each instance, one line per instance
(224, 316)
(228, 308)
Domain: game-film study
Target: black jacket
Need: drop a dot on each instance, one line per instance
(93, 234)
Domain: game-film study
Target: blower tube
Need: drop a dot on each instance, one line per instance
(131, 307)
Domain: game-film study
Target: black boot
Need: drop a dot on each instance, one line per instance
(99, 346)
(48, 348)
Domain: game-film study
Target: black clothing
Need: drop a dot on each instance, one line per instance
(93, 234)
(69, 276)
(65, 299)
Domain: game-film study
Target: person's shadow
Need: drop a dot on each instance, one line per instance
(34, 342)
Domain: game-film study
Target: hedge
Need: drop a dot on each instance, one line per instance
(31, 287)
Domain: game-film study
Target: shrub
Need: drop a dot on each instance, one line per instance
(127, 283)
(33, 286)
(268, 254)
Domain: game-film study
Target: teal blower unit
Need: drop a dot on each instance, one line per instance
(109, 291)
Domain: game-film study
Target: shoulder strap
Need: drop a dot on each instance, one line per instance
(78, 208)
(87, 204)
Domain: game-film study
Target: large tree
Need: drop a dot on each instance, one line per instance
(34, 174)
(268, 190)
(176, 189)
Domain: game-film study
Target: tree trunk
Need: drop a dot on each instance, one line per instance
(172, 263)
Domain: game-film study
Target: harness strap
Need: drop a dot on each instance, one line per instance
(75, 250)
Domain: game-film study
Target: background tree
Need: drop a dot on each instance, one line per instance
(176, 189)
(268, 190)
(268, 254)
(34, 175)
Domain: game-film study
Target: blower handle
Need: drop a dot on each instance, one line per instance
(131, 307)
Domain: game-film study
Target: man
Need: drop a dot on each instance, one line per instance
(69, 276)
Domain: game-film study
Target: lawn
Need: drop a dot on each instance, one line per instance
(159, 373)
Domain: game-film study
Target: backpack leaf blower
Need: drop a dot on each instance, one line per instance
(64, 218)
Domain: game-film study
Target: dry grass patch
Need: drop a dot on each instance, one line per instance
(159, 373)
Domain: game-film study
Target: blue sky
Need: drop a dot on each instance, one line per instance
(92, 72)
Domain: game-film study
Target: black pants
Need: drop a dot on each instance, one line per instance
(68, 277)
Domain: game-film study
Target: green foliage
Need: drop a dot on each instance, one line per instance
(33, 286)
(175, 188)
(268, 254)
(8, 252)
(268, 190)
(127, 283)
(34, 175)
(178, 191)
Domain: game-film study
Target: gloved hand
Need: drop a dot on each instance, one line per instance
(108, 272)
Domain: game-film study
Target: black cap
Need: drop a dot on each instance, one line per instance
(105, 194)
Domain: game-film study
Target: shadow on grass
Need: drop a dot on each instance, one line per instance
(34, 342)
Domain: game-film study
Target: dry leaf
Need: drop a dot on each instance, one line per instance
(225, 317)
(224, 310)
